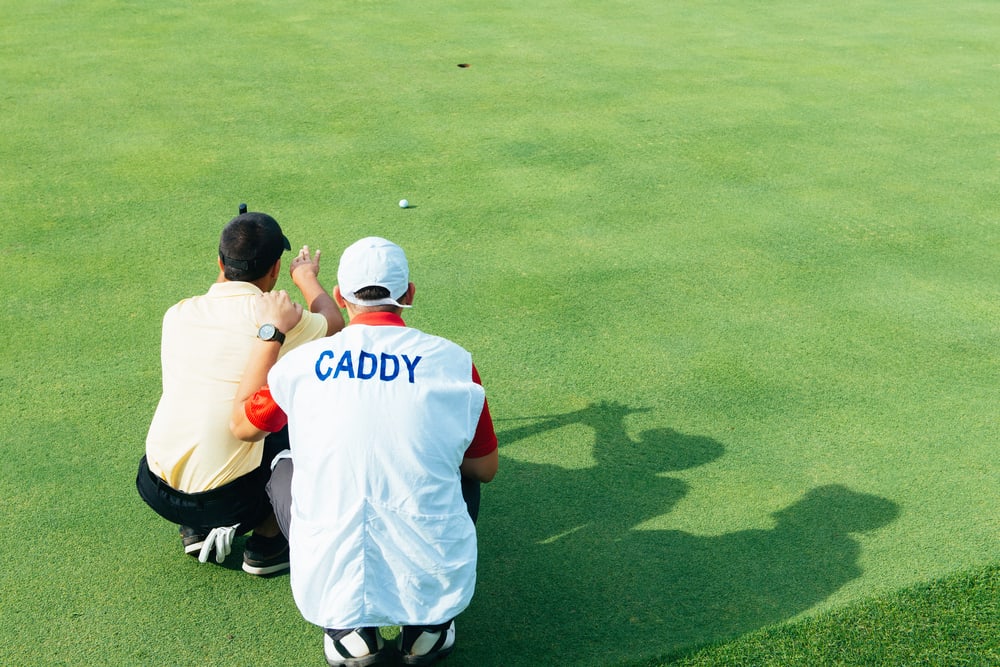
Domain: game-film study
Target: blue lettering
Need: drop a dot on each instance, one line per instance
(320, 372)
(346, 365)
(362, 373)
(385, 365)
(384, 375)
(411, 365)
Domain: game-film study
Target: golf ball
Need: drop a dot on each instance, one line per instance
(403, 203)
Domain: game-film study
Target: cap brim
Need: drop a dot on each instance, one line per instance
(388, 301)
(288, 245)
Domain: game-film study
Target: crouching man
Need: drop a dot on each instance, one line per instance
(390, 437)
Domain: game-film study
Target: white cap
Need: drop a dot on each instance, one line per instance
(370, 262)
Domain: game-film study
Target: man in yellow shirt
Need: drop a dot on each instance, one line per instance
(195, 472)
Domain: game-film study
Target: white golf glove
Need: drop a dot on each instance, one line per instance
(222, 539)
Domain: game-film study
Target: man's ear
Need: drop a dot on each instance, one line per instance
(407, 298)
(276, 269)
(338, 298)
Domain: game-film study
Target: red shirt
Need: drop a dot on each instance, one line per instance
(265, 414)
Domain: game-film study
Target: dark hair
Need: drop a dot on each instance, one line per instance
(250, 245)
(372, 293)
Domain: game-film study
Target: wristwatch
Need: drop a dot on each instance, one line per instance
(268, 332)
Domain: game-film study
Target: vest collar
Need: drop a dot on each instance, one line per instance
(377, 318)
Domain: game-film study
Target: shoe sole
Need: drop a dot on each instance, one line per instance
(191, 540)
(261, 570)
(428, 659)
(366, 661)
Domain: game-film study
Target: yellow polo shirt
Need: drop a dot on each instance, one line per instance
(206, 342)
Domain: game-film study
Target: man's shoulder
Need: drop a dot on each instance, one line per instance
(224, 289)
(310, 328)
(355, 334)
(226, 306)
(440, 340)
(425, 342)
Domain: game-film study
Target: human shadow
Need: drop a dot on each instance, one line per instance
(605, 500)
(568, 578)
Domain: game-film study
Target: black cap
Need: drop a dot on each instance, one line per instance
(250, 244)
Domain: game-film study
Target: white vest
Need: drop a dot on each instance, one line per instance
(379, 419)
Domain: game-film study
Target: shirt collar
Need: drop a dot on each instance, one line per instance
(378, 318)
(233, 288)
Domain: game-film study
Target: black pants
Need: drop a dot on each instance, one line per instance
(242, 502)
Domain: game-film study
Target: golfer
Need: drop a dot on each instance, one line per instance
(384, 422)
(194, 472)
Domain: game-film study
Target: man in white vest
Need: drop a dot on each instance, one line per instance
(385, 423)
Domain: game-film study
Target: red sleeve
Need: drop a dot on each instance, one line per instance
(263, 412)
(485, 440)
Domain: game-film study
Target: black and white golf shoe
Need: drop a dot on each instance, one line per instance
(193, 539)
(360, 647)
(426, 644)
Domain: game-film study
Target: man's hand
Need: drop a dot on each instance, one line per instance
(276, 308)
(304, 265)
(305, 272)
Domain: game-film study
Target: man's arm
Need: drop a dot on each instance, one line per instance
(273, 308)
(482, 458)
(483, 468)
(305, 275)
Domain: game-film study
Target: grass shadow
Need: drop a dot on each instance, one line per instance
(565, 578)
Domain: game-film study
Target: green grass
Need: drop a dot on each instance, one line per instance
(952, 621)
(730, 271)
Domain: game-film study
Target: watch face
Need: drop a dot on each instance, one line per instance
(266, 332)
